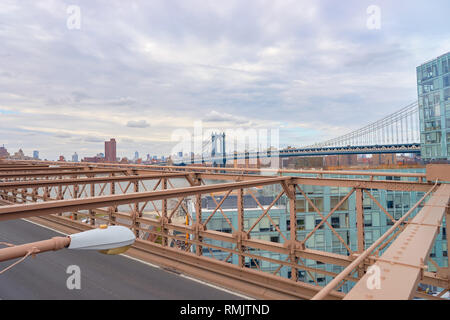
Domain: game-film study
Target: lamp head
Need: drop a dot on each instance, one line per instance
(106, 239)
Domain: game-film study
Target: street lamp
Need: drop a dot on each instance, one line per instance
(106, 239)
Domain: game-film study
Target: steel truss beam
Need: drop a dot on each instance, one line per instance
(83, 181)
(401, 267)
(104, 208)
(60, 173)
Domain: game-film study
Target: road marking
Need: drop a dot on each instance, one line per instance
(141, 261)
(216, 287)
(155, 266)
(189, 278)
(41, 225)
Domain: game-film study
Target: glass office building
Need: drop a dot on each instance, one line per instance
(433, 86)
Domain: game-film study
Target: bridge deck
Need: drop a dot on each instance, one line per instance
(102, 276)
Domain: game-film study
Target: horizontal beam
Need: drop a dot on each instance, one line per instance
(60, 206)
(38, 168)
(81, 181)
(261, 171)
(58, 173)
(365, 184)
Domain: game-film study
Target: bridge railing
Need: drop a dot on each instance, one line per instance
(152, 202)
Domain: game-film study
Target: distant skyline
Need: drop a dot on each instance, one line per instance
(136, 71)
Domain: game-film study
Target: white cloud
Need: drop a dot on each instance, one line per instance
(311, 69)
(138, 124)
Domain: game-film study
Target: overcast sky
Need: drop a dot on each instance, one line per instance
(140, 70)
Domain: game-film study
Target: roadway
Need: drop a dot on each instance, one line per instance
(102, 276)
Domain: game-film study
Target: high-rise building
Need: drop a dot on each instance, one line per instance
(4, 152)
(433, 87)
(110, 150)
(35, 154)
(136, 155)
(75, 157)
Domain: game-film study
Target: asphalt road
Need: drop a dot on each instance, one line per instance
(102, 276)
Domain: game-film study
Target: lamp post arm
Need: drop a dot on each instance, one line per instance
(53, 244)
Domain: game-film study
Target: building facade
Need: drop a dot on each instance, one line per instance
(110, 151)
(433, 87)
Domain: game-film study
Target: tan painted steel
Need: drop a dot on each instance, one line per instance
(103, 208)
(404, 261)
(20, 251)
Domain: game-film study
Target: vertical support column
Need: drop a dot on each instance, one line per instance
(14, 194)
(293, 231)
(198, 221)
(360, 225)
(92, 212)
(46, 192)
(136, 210)
(164, 219)
(60, 190)
(76, 190)
(34, 194)
(60, 195)
(240, 207)
(447, 229)
(22, 196)
(113, 209)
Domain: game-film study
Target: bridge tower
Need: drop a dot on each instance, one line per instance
(215, 155)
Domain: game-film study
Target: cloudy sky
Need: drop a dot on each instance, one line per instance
(141, 70)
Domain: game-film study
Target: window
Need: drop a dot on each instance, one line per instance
(367, 203)
(335, 223)
(367, 220)
(275, 239)
(301, 224)
(301, 274)
(334, 202)
(319, 221)
(277, 224)
(264, 225)
(445, 66)
(434, 124)
(318, 202)
(389, 222)
(447, 94)
(435, 137)
(300, 205)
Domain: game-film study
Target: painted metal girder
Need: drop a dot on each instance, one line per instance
(397, 273)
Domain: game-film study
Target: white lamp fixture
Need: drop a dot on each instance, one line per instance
(106, 239)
